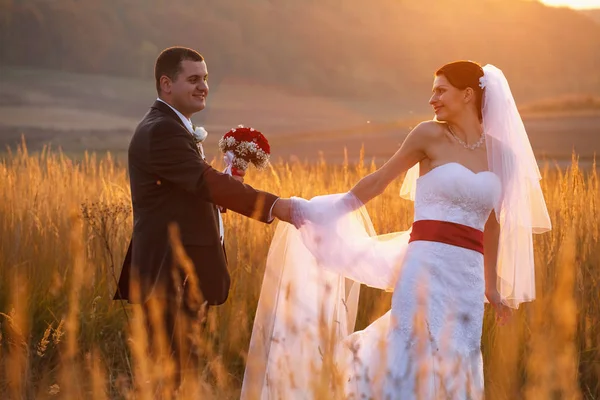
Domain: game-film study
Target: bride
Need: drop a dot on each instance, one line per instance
(475, 182)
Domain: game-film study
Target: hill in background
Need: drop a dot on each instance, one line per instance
(384, 49)
(313, 75)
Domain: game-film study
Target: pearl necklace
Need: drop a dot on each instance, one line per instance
(465, 145)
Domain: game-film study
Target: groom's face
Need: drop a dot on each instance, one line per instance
(190, 88)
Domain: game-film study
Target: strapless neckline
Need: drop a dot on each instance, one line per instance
(453, 163)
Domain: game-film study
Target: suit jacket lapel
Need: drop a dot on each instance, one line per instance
(165, 109)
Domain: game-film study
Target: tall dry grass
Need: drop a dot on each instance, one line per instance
(65, 225)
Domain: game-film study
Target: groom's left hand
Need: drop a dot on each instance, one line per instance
(240, 177)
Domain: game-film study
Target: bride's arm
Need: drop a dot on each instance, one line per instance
(412, 151)
(491, 238)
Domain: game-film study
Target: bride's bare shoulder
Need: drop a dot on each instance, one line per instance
(429, 130)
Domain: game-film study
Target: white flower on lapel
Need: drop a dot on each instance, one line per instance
(200, 134)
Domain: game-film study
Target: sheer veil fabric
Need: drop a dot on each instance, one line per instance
(312, 281)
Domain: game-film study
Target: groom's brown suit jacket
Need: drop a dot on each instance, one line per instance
(171, 183)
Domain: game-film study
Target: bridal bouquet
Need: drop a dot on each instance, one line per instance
(243, 146)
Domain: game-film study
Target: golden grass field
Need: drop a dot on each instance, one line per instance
(65, 225)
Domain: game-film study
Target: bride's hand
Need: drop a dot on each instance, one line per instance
(503, 312)
(298, 212)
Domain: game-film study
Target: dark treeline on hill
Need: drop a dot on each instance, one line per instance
(328, 47)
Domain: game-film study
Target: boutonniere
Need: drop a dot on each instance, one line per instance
(199, 134)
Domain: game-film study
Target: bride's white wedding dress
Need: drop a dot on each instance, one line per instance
(450, 282)
(428, 345)
(399, 356)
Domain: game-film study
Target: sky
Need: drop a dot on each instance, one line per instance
(573, 3)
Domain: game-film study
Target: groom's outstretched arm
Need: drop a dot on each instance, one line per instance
(174, 157)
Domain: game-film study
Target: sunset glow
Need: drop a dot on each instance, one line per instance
(573, 3)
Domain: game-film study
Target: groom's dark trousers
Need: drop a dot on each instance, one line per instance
(171, 185)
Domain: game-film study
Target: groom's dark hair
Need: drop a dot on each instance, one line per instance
(169, 61)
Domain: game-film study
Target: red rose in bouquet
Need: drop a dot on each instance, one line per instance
(243, 146)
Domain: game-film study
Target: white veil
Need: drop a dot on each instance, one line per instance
(521, 210)
(301, 297)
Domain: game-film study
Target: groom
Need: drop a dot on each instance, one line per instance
(171, 184)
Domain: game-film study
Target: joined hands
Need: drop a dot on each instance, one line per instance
(298, 211)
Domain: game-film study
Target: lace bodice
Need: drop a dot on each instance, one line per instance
(454, 193)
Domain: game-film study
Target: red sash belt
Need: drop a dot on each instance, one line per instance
(449, 233)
